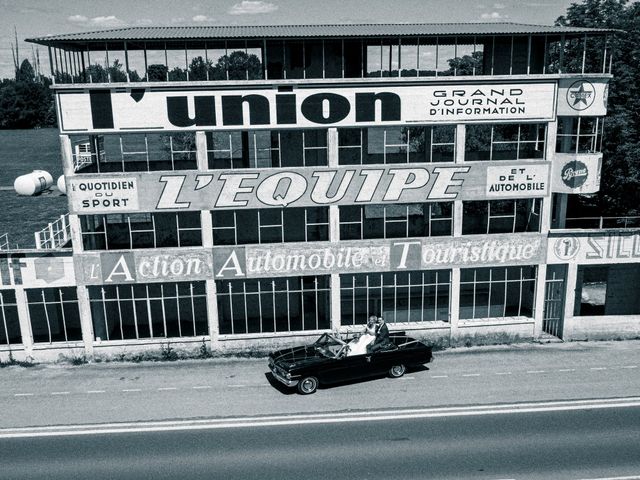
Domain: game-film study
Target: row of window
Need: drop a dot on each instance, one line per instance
(166, 310)
(136, 61)
(306, 224)
(308, 148)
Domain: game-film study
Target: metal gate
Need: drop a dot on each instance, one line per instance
(554, 294)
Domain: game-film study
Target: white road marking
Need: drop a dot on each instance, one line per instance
(23, 394)
(198, 387)
(321, 418)
(439, 376)
(162, 389)
(535, 371)
(567, 370)
(131, 389)
(630, 366)
(471, 375)
(237, 386)
(503, 373)
(598, 368)
(95, 391)
(60, 393)
(633, 477)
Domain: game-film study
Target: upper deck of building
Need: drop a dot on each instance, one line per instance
(339, 51)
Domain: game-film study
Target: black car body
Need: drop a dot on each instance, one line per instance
(326, 361)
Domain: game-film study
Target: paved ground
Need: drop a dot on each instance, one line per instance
(56, 395)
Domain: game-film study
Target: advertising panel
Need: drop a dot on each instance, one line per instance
(323, 258)
(305, 187)
(135, 109)
(583, 97)
(576, 173)
(36, 272)
(595, 247)
(140, 266)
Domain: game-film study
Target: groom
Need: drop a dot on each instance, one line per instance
(382, 337)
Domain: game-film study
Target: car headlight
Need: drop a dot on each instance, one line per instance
(288, 376)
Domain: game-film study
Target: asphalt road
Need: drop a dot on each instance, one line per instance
(59, 395)
(548, 445)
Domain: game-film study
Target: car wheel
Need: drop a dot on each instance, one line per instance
(307, 385)
(397, 371)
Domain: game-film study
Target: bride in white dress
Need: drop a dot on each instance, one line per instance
(358, 346)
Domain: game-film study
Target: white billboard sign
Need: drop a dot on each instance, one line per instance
(135, 109)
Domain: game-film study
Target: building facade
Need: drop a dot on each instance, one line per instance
(250, 187)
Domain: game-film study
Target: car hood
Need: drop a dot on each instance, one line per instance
(297, 357)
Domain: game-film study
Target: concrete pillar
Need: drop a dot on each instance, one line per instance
(76, 233)
(66, 152)
(461, 133)
(334, 230)
(538, 304)
(569, 303)
(212, 313)
(201, 151)
(332, 147)
(24, 321)
(86, 321)
(206, 226)
(336, 310)
(454, 304)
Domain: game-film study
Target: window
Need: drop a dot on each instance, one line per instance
(9, 322)
(497, 292)
(606, 290)
(134, 152)
(273, 305)
(397, 296)
(266, 149)
(501, 216)
(140, 230)
(274, 225)
(359, 222)
(379, 145)
(54, 314)
(155, 310)
(579, 134)
(508, 141)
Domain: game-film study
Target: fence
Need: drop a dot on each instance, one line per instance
(55, 235)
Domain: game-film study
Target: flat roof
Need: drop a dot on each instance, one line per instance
(302, 31)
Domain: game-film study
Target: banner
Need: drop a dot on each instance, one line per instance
(135, 109)
(602, 247)
(306, 186)
(299, 259)
(36, 271)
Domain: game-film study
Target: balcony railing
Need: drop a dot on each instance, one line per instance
(57, 234)
(603, 222)
(4, 242)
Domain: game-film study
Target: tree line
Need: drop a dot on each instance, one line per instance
(26, 101)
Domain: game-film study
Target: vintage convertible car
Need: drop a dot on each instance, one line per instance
(327, 361)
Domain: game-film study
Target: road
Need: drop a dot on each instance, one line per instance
(57, 395)
(577, 444)
(323, 435)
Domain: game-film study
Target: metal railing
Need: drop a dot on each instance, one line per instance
(603, 222)
(56, 234)
(4, 242)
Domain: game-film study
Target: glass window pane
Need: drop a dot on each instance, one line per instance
(427, 55)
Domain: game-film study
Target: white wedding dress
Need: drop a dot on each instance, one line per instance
(358, 346)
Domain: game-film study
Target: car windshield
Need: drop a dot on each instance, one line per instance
(328, 345)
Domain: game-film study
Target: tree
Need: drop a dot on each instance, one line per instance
(619, 193)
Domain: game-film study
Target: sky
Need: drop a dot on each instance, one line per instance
(36, 18)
